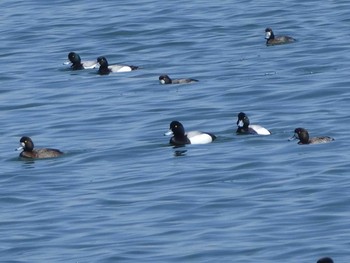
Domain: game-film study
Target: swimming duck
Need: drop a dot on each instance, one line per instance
(28, 151)
(165, 79)
(244, 126)
(105, 68)
(193, 137)
(271, 39)
(303, 136)
(325, 260)
(77, 64)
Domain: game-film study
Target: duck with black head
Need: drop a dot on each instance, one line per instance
(271, 39)
(303, 136)
(180, 137)
(244, 126)
(165, 79)
(28, 151)
(105, 68)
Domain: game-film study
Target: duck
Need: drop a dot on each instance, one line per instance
(77, 64)
(244, 126)
(181, 138)
(271, 39)
(303, 136)
(325, 260)
(105, 68)
(28, 151)
(165, 79)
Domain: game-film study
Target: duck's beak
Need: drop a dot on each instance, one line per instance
(20, 148)
(267, 35)
(169, 133)
(295, 136)
(240, 123)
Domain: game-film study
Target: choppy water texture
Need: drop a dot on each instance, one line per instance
(121, 193)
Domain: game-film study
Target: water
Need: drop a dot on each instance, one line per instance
(121, 193)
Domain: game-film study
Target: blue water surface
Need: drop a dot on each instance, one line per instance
(121, 193)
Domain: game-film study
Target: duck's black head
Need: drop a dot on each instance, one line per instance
(243, 120)
(75, 59)
(26, 144)
(177, 128)
(269, 34)
(103, 70)
(165, 79)
(102, 61)
(302, 134)
(325, 260)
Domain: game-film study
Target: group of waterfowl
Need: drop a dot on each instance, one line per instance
(177, 130)
(180, 137)
(104, 67)
(244, 126)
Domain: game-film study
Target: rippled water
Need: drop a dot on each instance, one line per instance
(121, 193)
